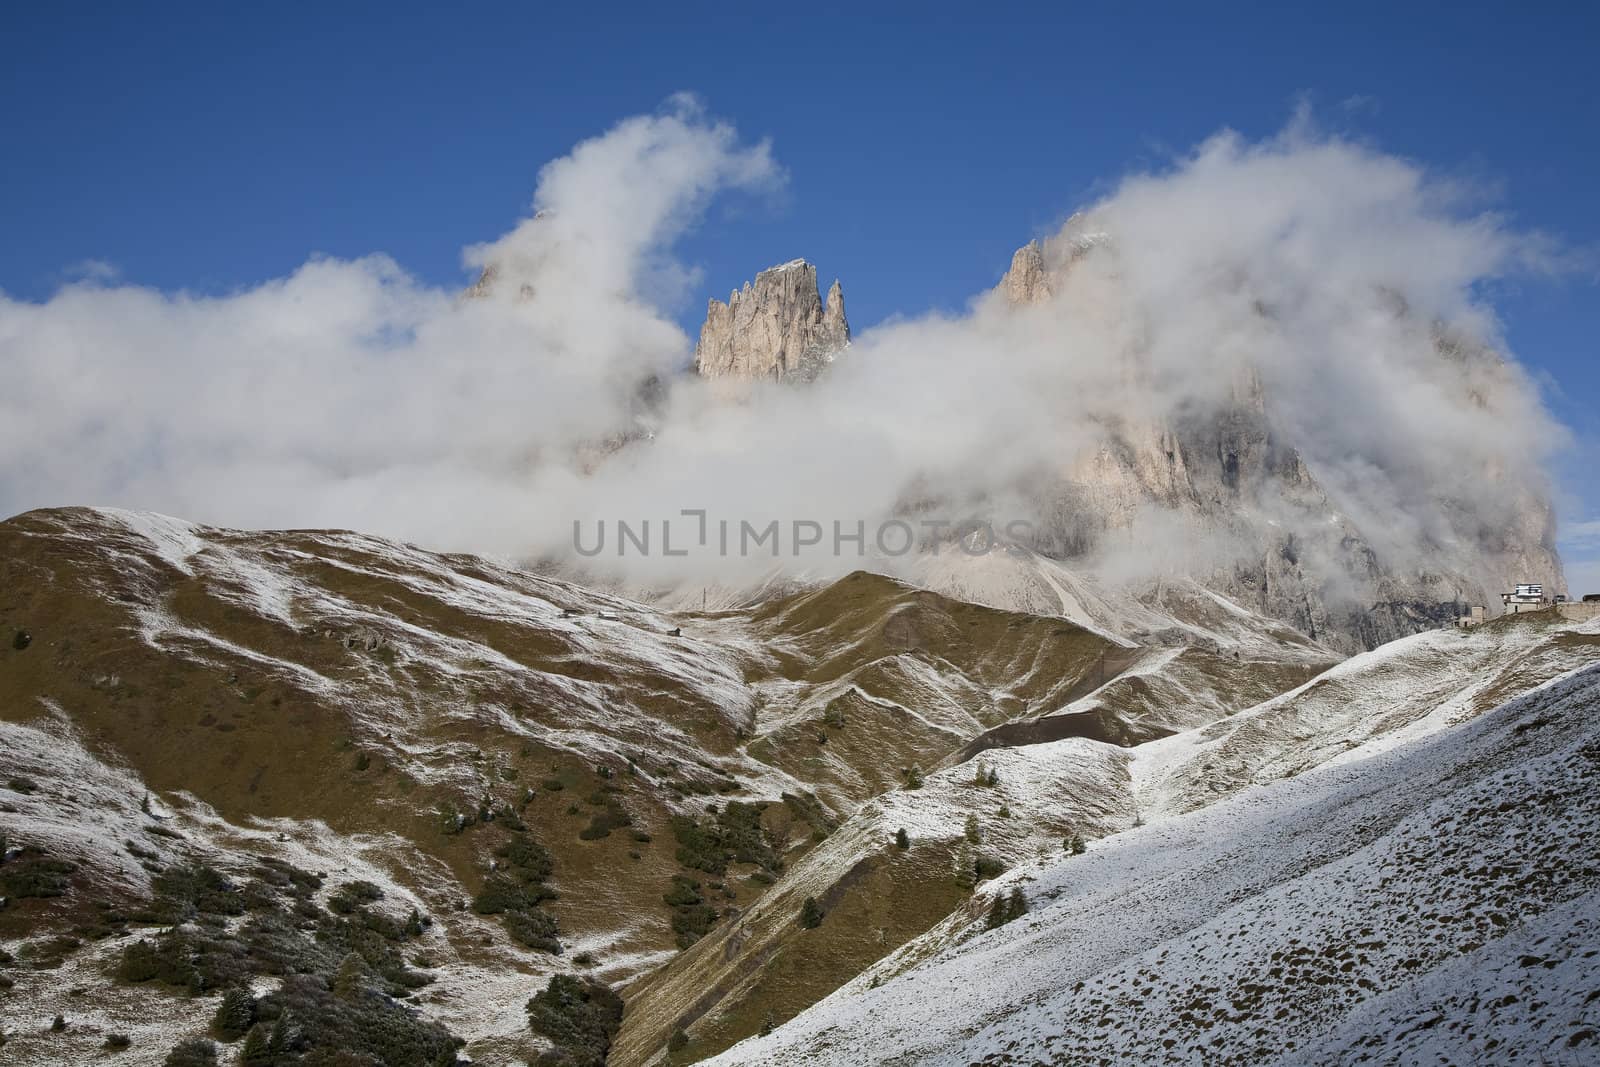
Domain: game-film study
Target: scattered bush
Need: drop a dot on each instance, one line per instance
(834, 715)
(25, 786)
(678, 1040)
(118, 1041)
(733, 834)
(33, 873)
(517, 890)
(579, 1016)
(973, 833)
(987, 867)
(902, 840)
(912, 776)
(811, 914)
(185, 892)
(1007, 908)
(1075, 845)
(310, 1024)
(21, 640)
(692, 917)
(195, 1052)
(614, 817)
(352, 895)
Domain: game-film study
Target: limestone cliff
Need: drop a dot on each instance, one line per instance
(1226, 475)
(778, 328)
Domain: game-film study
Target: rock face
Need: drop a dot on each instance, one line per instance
(777, 328)
(1228, 475)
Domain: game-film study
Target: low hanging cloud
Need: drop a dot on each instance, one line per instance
(350, 394)
(1317, 271)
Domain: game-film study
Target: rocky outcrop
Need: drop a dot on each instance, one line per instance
(1224, 473)
(1038, 267)
(1027, 282)
(777, 328)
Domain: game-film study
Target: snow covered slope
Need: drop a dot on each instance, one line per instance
(1430, 900)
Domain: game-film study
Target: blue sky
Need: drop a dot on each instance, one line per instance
(212, 146)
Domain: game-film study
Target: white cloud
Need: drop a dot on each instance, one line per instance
(348, 394)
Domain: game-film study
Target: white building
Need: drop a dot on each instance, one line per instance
(1528, 596)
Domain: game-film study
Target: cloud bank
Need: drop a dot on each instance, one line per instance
(1343, 283)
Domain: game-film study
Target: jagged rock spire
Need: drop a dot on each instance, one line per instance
(779, 327)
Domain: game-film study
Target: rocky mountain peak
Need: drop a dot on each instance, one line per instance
(1027, 282)
(777, 327)
(1037, 268)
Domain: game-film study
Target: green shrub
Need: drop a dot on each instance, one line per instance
(692, 917)
(579, 1016)
(902, 840)
(21, 640)
(311, 1025)
(986, 867)
(808, 808)
(184, 892)
(34, 874)
(811, 914)
(834, 715)
(194, 1052)
(118, 1041)
(1007, 908)
(350, 896)
(972, 832)
(732, 834)
(517, 890)
(614, 817)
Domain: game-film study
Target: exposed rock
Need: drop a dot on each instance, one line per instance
(777, 328)
(1027, 282)
(1037, 268)
(1225, 474)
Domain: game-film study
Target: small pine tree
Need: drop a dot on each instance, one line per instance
(966, 869)
(256, 1050)
(58, 1024)
(144, 805)
(811, 913)
(1075, 845)
(1006, 908)
(902, 840)
(981, 776)
(992, 779)
(768, 1024)
(349, 980)
(974, 834)
(235, 1015)
(913, 776)
(678, 1040)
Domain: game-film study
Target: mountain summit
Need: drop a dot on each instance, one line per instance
(779, 327)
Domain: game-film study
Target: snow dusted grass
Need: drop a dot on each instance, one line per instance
(1421, 886)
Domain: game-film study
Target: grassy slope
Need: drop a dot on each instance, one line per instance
(327, 694)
